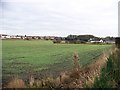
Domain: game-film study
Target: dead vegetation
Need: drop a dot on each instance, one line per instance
(16, 83)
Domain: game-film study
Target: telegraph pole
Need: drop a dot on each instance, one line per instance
(117, 39)
(119, 19)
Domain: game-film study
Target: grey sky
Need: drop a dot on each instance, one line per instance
(59, 17)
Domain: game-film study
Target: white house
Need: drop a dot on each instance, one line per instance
(96, 41)
(3, 36)
(101, 41)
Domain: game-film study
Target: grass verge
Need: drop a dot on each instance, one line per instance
(110, 74)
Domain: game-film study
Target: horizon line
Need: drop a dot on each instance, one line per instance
(56, 35)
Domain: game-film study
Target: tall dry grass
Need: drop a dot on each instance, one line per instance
(16, 83)
(76, 61)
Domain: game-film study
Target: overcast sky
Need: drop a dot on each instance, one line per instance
(59, 17)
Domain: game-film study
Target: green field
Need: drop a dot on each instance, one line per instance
(42, 58)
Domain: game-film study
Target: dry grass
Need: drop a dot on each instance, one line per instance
(16, 83)
(76, 61)
(31, 81)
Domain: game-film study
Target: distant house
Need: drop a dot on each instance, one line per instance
(4, 36)
(110, 42)
(23, 37)
(96, 40)
(18, 37)
(102, 41)
(12, 36)
(28, 37)
(52, 37)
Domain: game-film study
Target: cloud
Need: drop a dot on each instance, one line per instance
(60, 17)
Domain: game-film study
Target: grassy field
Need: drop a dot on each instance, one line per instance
(43, 58)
